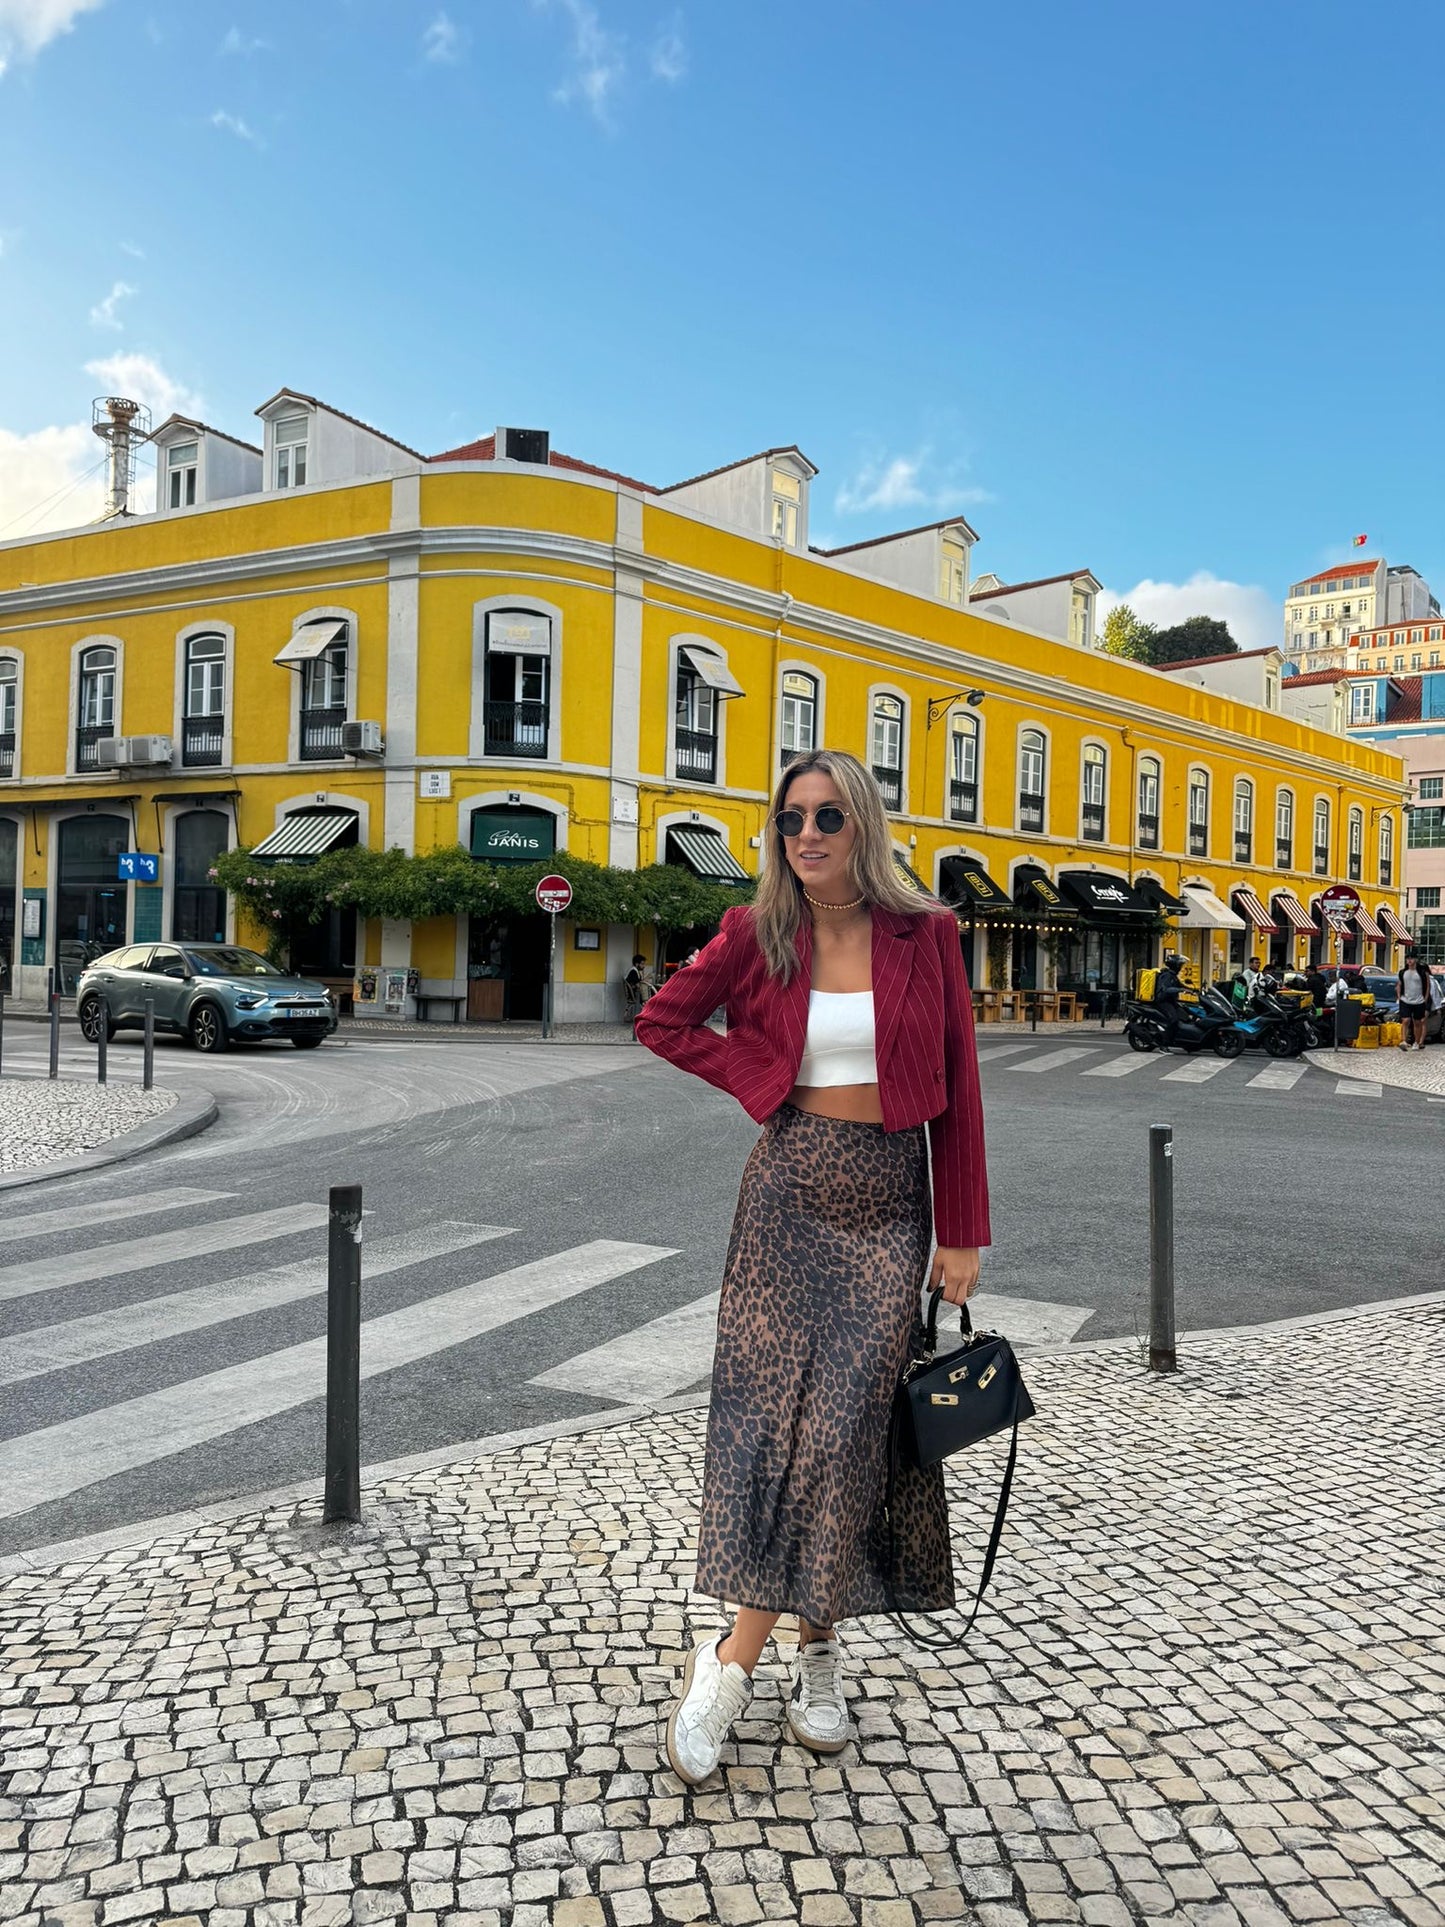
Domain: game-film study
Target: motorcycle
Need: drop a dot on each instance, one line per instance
(1277, 1024)
(1208, 1025)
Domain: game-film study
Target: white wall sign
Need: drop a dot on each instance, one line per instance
(434, 782)
(624, 808)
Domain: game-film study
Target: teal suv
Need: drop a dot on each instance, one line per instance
(212, 993)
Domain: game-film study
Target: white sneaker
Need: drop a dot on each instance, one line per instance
(817, 1712)
(713, 1696)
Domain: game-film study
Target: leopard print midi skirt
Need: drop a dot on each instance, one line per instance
(820, 1305)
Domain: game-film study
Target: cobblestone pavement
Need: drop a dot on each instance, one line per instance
(1210, 1687)
(1416, 1070)
(41, 1121)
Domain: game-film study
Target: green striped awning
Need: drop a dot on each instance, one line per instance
(706, 854)
(307, 833)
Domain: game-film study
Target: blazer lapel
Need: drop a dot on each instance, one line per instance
(892, 966)
(794, 1012)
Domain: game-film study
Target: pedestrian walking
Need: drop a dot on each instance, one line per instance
(638, 984)
(849, 1030)
(1412, 987)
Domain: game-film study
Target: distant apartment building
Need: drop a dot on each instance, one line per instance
(1324, 612)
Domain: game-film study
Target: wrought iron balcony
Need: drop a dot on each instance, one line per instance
(1092, 827)
(1243, 845)
(1387, 868)
(1322, 859)
(321, 733)
(890, 781)
(1198, 839)
(515, 729)
(1356, 866)
(696, 755)
(7, 752)
(1031, 811)
(202, 739)
(1283, 853)
(86, 738)
(962, 801)
(1148, 833)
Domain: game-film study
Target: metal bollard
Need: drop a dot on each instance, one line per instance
(102, 1042)
(343, 1356)
(2, 1030)
(54, 1034)
(1162, 1357)
(148, 1065)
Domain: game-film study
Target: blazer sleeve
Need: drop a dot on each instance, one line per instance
(960, 1172)
(673, 1022)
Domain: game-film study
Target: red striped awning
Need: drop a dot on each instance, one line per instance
(1393, 924)
(1295, 914)
(1251, 909)
(1367, 926)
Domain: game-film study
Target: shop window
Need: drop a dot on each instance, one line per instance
(203, 724)
(963, 770)
(1150, 783)
(198, 905)
(885, 749)
(1094, 790)
(96, 717)
(518, 695)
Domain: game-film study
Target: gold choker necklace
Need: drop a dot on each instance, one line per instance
(818, 905)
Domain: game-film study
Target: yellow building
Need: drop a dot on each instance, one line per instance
(330, 638)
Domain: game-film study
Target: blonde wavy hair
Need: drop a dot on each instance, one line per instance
(778, 910)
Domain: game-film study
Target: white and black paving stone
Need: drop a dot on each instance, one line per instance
(42, 1120)
(1210, 1686)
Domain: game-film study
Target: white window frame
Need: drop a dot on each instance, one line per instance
(676, 645)
(288, 448)
(12, 696)
(1094, 756)
(1244, 811)
(1151, 773)
(789, 702)
(785, 514)
(1284, 824)
(1386, 852)
(182, 477)
(301, 679)
(952, 573)
(1023, 753)
(965, 735)
(1199, 785)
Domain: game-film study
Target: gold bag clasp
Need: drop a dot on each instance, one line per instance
(954, 1377)
(943, 1398)
(989, 1375)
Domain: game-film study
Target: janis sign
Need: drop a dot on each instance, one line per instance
(513, 836)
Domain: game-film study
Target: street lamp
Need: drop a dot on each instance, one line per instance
(940, 705)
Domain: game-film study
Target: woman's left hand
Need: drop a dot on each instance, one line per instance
(955, 1268)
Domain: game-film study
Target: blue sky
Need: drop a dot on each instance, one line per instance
(1151, 289)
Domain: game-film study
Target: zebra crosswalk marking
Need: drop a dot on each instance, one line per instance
(166, 1248)
(1348, 1087)
(655, 1361)
(79, 1341)
(108, 1211)
(1055, 1059)
(1278, 1077)
(1197, 1070)
(1027, 1322)
(37, 1468)
(987, 1052)
(1121, 1067)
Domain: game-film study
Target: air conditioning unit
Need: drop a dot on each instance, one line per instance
(132, 752)
(362, 739)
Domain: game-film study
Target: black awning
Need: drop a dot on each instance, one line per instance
(1153, 892)
(706, 854)
(1034, 892)
(969, 885)
(905, 868)
(1105, 896)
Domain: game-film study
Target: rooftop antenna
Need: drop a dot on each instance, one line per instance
(122, 425)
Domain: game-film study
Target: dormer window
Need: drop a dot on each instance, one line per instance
(182, 461)
(289, 439)
(952, 573)
(787, 502)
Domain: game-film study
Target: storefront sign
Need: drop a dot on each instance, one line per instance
(554, 894)
(513, 836)
(135, 866)
(517, 634)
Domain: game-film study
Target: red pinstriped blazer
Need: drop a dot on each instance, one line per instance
(923, 1017)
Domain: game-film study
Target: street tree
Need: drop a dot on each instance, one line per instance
(1195, 636)
(1125, 634)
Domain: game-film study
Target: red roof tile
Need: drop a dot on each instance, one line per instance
(1316, 676)
(1362, 567)
(485, 450)
(1407, 709)
(1227, 655)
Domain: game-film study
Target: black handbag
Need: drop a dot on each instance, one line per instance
(942, 1405)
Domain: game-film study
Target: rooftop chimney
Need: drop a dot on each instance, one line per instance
(122, 425)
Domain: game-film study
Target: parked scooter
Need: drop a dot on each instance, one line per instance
(1208, 1025)
(1277, 1025)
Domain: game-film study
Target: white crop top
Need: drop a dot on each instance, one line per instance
(840, 1044)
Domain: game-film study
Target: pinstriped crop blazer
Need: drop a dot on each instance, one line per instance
(923, 1017)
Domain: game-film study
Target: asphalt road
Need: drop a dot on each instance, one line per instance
(534, 1211)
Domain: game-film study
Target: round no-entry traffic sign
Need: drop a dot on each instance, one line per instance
(1339, 900)
(554, 894)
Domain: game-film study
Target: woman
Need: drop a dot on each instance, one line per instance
(849, 1027)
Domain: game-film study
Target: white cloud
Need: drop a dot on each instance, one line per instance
(1255, 617)
(905, 482)
(237, 42)
(442, 42)
(144, 380)
(599, 62)
(130, 248)
(233, 124)
(54, 478)
(103, 314)
(28, 25)
(668, 56)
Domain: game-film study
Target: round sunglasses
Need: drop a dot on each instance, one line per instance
(829, 819)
